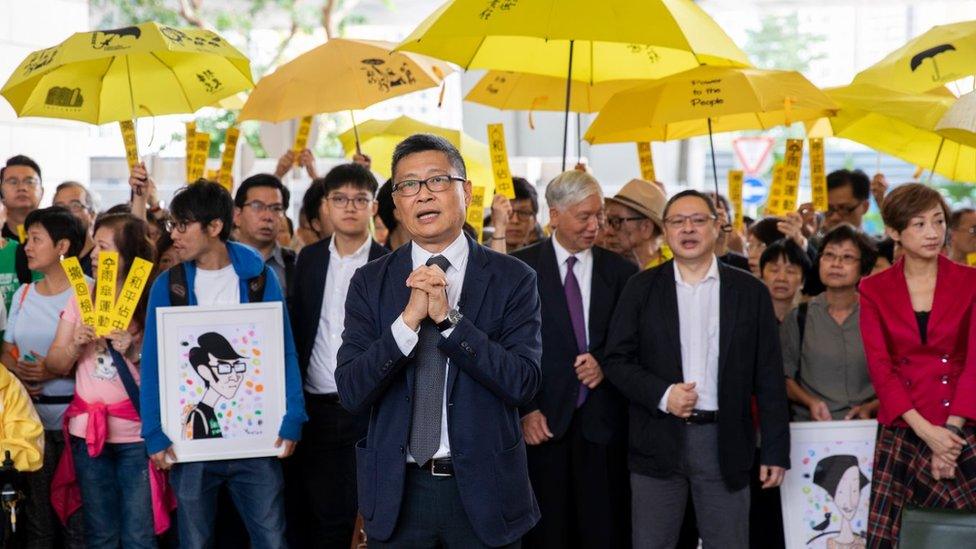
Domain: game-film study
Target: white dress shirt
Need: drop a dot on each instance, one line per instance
(328, 337)
(698, 322)
(406, 339)
(584, 275)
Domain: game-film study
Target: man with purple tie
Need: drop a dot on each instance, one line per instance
(576, 425)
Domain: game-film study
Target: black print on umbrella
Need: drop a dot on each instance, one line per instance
(207, 40)
(112, 39)
(499, 5)
(930, 53)
(64, 97)
(646, 50)
(40, 59)
(500, 81)
(385, 78)
(210, 81)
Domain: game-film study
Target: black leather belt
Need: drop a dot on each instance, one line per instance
(701, 417)
(438, 467)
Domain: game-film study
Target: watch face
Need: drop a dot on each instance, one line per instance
(454, 316)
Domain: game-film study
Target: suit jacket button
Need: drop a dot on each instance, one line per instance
(401, 449)
(944, 380)
(945, 402)
(388, 363)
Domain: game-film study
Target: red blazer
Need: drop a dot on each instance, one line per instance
(938, 379)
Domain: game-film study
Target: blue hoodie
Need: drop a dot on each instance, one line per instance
(247, 264)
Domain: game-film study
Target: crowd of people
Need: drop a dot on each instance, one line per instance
(622, 375)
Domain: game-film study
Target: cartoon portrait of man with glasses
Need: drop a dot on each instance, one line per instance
(222, 371)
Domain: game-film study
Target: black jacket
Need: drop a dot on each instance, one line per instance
(644, 359)
(604, 412)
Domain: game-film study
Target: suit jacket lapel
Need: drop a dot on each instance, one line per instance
(473, 290)
(399, 268)
(600, 298)
(551, 285)
(319, 273)
(667, 294)
(727, 309)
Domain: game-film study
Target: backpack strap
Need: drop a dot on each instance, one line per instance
(290, 258)
(255, 287)
(131, 387)
(179, 293)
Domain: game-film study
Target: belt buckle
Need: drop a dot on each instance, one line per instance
(434, 470)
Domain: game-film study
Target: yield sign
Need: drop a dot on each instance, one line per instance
(752, 152)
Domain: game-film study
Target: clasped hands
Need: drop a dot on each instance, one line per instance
(428, 296)
(946, 448)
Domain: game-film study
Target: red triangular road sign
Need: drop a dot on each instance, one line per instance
(752, 152)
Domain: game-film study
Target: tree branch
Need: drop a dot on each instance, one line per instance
(327, 9)
(188, 11)
(283, 46)
(344, 11)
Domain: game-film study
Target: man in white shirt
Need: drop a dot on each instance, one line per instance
(321, 484)
(441, 346)
(691, 343)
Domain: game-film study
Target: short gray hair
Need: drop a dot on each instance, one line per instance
(571, 187)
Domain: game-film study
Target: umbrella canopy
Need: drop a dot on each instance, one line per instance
(378, 138)
(120, 74)
(706, 99)
(943, 54)
(959, 122)
(533, 92)
(614, 39)
(340, 75)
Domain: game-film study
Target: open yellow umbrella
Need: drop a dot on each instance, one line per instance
(943, 54)
(507, 90)
(121, 74)
(576, 39)
(380, 137)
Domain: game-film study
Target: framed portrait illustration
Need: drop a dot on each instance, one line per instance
(221, 379)
(826, 491)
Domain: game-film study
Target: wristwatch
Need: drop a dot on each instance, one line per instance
(453, 318)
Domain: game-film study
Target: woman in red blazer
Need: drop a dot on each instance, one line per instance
(920, 341)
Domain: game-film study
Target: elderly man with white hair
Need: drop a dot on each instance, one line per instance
(574, 425)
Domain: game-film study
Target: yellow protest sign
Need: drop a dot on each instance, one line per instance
(301, 136)
(971, 259)
(646, 161)
(818, 175)
(792, 164)
(499, 161)
(191, 130)
(21, 233)
(129, 138)
(201, 150)
(135, 284)
(476, 211)
(76, 277)
(108, 265)
(774, 203)
(227, 158)
(735, 196)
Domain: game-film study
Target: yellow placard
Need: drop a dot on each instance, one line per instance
(301, 136)
(735, 196)
(818, 175)
(135, 284)
(499, 161)
(971, 259)
(129, 138)
(646, 161)
(108, 265)
(476, 211)
(76, 276)
(792, 164)
(191, 130)
(21, 233)
(201, 150)
(227, 158)
(774, 203)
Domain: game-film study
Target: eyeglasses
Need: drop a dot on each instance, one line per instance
(843, 210)
(178, 226)
(26, 182)
(846, 259)
(75, 206)
(260, 207)
(617, 222)
(225, 367)
(698, 220)
(341, 201)
(522, 215)
(435, 184)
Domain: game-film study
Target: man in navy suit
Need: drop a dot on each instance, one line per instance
(321, 484)
(441, 346)
(576, 425)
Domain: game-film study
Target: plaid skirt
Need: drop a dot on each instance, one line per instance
(902, 476)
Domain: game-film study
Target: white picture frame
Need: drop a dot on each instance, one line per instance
(822, 457)
(243, 398)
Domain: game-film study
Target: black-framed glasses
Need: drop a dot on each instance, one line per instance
(617, 222)
(75, 206)
(843, 210)
(341, 201)
(225, 367)
(178, 226)
(846, 259)
(698, 220)
(27, 181)
(434, 184)
(260, 207)
(522, 215)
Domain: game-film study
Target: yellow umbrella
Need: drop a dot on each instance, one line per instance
(380, 137)
(943, 54)
(902, 125)
(232, 103)
(534, 92)
(576, 39)
(120, 74)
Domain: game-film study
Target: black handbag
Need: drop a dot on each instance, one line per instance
(924, 528)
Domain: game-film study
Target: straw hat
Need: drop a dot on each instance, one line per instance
(645, 198)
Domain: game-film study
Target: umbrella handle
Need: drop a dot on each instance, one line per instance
(355, 132)
(569, 89)
(936, 161)
(727, 227)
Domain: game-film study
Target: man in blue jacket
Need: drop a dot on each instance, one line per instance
(217, 272)
(441, 346)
